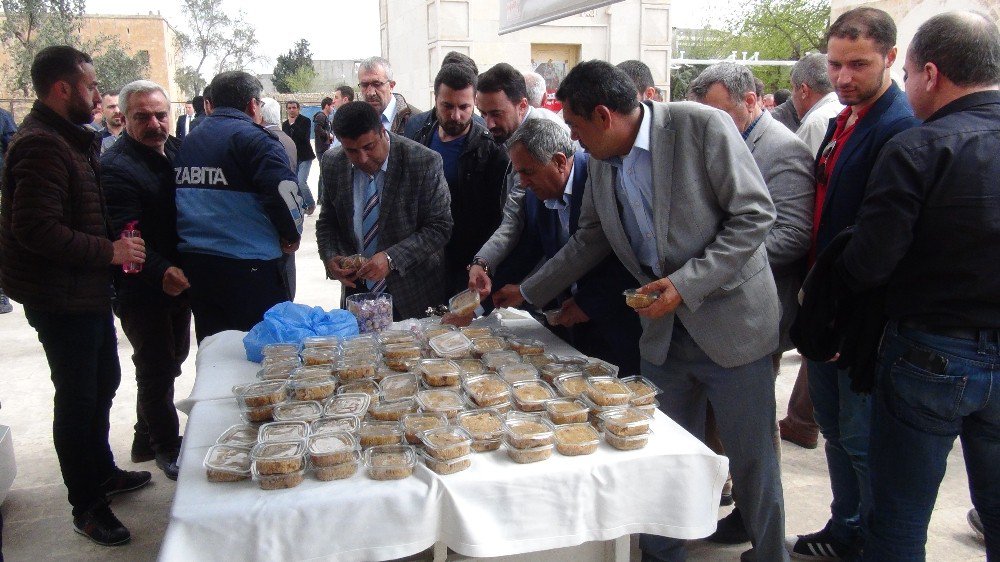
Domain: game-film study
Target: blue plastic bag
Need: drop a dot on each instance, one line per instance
(288, 322)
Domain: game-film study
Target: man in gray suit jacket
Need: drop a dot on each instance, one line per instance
(675, 194)
(385, 198)
(786, 164)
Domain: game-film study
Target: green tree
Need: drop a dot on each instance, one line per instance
(31, 25)
(214, 36)
(293, 68)
(115, 67)
(189, 81)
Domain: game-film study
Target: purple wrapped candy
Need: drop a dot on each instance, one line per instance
(373, 311)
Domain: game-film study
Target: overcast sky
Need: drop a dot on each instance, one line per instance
(341, 30)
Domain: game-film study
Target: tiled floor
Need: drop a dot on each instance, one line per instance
(37, 523)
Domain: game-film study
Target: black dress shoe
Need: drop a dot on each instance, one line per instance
(141, 449)
(167, 462)
(730, 530)
(100, 525)
(125, 481)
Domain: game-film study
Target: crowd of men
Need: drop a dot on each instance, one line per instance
(888, 199)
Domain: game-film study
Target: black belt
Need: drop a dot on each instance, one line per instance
(946, 331)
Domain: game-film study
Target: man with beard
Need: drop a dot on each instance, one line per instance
(114, 121)
(138, 177)
(474, 167)
(502, 99)
(56, 249)
(375, 85)
(861, 50)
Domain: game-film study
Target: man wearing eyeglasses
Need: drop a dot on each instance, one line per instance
(375, 85)
(861, 50)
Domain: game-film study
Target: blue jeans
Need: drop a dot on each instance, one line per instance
(844, 419)
(303, 176)
(743, 399)
(931, 389)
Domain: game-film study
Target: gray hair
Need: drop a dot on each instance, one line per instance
(536, 88)
(542, 139)
(811, 71)
(372, 64)
(735, 78)
(270, 111)
(138, 87)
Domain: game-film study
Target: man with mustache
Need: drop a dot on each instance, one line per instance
(474, 167)
(138, 177)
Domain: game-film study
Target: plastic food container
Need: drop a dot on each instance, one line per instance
(398, 356)
(445, 467)
(363, 386)
(487, 390)
(278, 369)
(472, 332)
(322, 342)
(531, 395)
(389, 337)
(374, 433)
(227, 463)
(352, 369)
(350, 424)
(608, 391)
(278, 457)
(599, 368)
(625, 422)
(518, 372)
(446, 443)
(416, 422)
(629, 443)
(283, 431)
(635, 299)
(308, 411)
(464, 303)
(571, 385)
(484, 345)
(644, 391)
(551, 371)
(258, 394)
(451, 345)
(576, 439)
(485, 427)
(399, 386)
(496, 359)
(566, 410)
(332, 448)
(539, 360)
(392, 411)
(319, 356)
(239, 435)
(525, 346)
(256, 415)
(447, 402)
(373, 311)
(440, 372)
(470, 367)
(437, 330)
(359, 341)
(529, 454)
(390, 462)
(525, 432)
(311, 371)
(353, 262)
(351, 404)
(280, 350)
(338, 471)
(312, 388)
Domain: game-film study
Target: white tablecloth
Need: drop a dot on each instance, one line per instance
(495, 508)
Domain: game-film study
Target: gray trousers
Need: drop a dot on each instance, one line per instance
(743, 398)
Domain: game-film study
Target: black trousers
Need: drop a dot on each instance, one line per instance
(229, 294)
(160, 334)
(82, 352)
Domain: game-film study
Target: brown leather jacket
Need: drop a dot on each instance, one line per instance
(403, 113)
(55, 247)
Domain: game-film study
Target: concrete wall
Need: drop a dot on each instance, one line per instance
(416, 34)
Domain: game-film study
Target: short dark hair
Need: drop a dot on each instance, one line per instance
(199, 104)
(456, 76)
(326, 101)
(355, 119)
(503, 78)
(781, 96)
(870, 23)
(207, 93)
(639, 73)
(346, 92)
(293, 102)
(55, 63)
(965, 47)
(455, 57)
(235, 89)
(758, 87)
(109, 93)
(596, 82)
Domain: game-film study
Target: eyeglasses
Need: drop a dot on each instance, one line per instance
(365, 85)
(822, 174)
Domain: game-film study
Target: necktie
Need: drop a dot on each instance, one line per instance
(369, 226)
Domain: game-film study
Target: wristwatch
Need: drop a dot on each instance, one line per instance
(481, 263)
(388, 258)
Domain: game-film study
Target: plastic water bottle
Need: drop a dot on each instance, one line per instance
(130, 231)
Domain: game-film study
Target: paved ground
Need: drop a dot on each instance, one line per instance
(37, 523)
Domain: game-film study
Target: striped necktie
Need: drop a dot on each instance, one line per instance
(369, 225)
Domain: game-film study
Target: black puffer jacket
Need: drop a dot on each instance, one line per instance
(54, 234)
